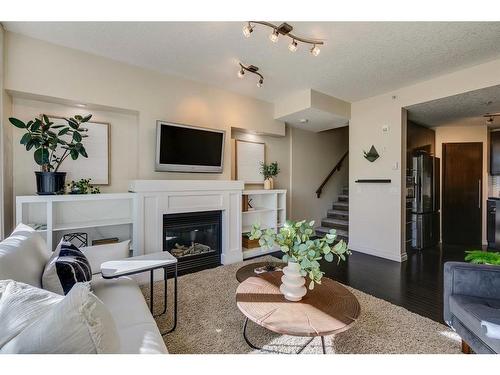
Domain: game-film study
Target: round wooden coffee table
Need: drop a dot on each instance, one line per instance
(326, 310)
(249, 270)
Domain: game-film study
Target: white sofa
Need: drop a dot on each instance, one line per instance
(23, 256)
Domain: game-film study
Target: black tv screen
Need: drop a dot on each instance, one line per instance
(183, 148)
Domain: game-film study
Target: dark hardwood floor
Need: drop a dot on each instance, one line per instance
(416, 284)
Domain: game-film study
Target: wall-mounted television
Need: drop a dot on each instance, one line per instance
(185, 148)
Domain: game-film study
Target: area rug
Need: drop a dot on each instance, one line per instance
(209, 322)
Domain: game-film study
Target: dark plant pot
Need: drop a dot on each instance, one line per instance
(50, 183)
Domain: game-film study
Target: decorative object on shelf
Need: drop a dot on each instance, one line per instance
(252, 69)
(269, 171)
(483, 257)
(247, 243)
(244, 203)
(105, 241)
(284, 29)
(371, 155)
(301, 253)
(79, 239)
(97, 165)
(47, 139)
(83, 186)
(249, 156)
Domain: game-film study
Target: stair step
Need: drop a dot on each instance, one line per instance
(338, 214)
(345, 190)
(341, 206)
(341, 234)
(335, 223)
(343, 198)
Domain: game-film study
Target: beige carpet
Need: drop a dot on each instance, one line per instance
(210, 322)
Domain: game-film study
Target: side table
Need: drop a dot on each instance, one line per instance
(144, 263)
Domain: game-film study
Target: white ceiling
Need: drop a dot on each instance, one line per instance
(359, 60)
(465, 109)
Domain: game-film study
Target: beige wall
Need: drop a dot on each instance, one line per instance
(375, 212)
(132, 99)
(479, 133)
(313, 155)
(7, 210)
(124, 147)
(80, 77)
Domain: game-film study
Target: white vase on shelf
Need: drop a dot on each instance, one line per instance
(268, 184)
(293, 282)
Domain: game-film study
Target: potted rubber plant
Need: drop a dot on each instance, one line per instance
(269, 171)
(302, 253)
(52, 144)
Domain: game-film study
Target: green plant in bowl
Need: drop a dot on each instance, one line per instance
(482, 257)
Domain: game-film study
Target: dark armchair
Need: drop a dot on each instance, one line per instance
(472, 304)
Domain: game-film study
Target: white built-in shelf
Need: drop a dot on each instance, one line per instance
(61, 213)
(269, 212)
(258, 251)
(92, 224)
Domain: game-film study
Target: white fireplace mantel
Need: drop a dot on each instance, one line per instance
(156, 198)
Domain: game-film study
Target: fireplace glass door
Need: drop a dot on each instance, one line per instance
(194, 238)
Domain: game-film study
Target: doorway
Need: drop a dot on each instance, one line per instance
(462, 193)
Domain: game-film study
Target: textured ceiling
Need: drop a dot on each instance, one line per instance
(359, 60)
(465, 109)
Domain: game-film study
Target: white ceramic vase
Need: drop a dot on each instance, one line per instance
(293, 283)
(268, 184)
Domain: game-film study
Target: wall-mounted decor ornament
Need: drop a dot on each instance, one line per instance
(371, 155)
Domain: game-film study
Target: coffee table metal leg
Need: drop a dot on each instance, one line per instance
(245, 324)
(323, 344)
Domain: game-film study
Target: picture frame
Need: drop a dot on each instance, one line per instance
(249, 156)
(97, 166)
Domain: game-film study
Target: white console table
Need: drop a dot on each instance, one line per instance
(55, 215)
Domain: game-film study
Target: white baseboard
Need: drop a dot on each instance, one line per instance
(378, 253)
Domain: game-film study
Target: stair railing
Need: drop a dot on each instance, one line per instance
(336, 168)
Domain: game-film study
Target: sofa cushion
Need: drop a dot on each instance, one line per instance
(79, 324)
(20, 305)
(67, 266)
(473, 312)
(23, 256)
(136, 327)
(99, 254)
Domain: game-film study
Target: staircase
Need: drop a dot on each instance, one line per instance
(337, 218)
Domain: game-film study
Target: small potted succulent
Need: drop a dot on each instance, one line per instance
(302, 253)
(47, 139)
(83, 186)
(269, 171)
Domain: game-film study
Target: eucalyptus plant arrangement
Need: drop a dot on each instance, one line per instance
(45, 138)
(269, 170)
(294, 239)
(482, 257)
(83, 186)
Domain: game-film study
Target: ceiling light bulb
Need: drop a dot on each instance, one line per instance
(241, 73)
(292, 46)
(261, 81)
(315, 50)
(247, 30)
(274, 36)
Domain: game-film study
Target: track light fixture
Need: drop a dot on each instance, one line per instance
(247, 30)
(284, 29)
(491, 117)
(252, 69)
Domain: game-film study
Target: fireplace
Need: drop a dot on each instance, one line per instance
(194, 238)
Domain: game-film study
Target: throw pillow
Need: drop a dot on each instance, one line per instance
(79, 324)
(99, 254)
(20, 305)
(66, 267)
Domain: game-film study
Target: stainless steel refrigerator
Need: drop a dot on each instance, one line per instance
(425, 204)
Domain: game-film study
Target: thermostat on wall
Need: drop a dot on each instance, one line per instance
(385, 129)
